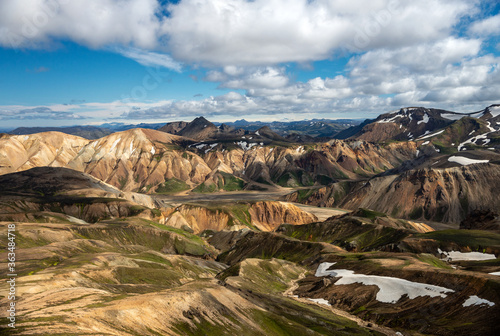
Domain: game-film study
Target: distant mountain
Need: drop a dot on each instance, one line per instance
(445, 130)
(306, 131)
(87, 132)
(119, 127)
(406, 124)
(319, 128)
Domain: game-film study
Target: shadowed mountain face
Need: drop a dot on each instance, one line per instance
(46, 193)
(441, 195)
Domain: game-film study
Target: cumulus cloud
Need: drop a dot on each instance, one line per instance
(488, 26)
(262, 32)
(94, 23)
(230, 32)
(401, 52)
(250, 78)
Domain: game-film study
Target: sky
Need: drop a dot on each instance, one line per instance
(88, 62)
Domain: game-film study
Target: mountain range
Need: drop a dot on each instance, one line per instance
(385, 227)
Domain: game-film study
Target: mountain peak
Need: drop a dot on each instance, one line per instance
(200, 120)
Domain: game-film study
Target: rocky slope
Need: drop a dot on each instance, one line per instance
(53, 149)
(442, 195)
(264, 216)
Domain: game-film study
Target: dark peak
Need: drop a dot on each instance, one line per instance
(267, 132)
(201, 121)
(264, 129)
(225, 128)
(241, 122)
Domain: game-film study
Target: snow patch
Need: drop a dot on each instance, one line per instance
(26, 137)
(465, 161)
(456, 255)
(477, 138)
(389, 120)
(474, 300)
(210, 147)
(244, 145)
(494, 110)
(425, 120)
(425, 136)
(257, 133)
(153, 150)
(495, 273)
(200, 146)
(425, 143)
(390, 289)
(320, 301)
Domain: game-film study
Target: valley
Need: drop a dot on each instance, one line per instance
(389, 227)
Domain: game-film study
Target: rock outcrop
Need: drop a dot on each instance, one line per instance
(263, 216)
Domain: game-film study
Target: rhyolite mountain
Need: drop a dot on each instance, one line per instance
(144, 160)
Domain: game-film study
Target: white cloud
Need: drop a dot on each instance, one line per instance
(406, 51)
(94, 23)
(489, 26)
(151, 59)
(263, 32)
(265, 78)
(231, 32)
(36, 113)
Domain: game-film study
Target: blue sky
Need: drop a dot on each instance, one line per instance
(87, 62)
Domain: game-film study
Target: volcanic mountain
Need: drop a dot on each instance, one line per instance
(417, 123)
(441, 195)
